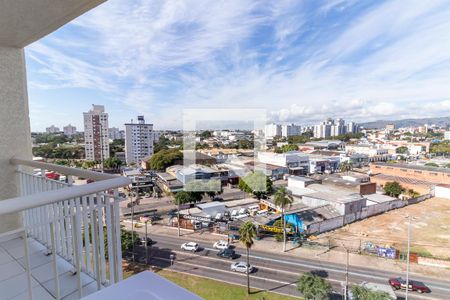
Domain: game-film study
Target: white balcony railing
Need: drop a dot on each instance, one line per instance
(78, 223)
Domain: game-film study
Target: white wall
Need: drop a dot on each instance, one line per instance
(15, 139)
(442, 192)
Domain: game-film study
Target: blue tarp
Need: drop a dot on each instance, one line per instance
(295, 220)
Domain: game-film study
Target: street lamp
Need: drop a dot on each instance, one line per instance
(408, 253)
(346, 271)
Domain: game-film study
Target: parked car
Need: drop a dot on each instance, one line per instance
(227, 253)
(413, 285)
(191, 246)
(221, 245)
(242, 267)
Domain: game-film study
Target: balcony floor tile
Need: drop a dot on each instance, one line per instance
(13, 277)
(39, 293)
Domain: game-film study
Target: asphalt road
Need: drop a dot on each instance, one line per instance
(275, 272)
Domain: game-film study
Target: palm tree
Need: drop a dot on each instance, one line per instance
(181, 197)
(346, 167)
(246, 234)
(282, 200)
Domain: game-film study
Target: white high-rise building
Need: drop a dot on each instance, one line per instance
(338, 127)
(52, 129)
(352, 127)
(96, 133)
(139, 139)
(290, 130)
(115, 133)
(69, 130)
(272, 130)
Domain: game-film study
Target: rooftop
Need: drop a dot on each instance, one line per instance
(413, 167)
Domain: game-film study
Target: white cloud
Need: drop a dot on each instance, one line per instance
(158, 57)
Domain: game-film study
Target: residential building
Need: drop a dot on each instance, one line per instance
(352, 128)
(322, 130)
(290, 130)
(331, 127)
(115, 133)
(52, 129)
(69, 130)
(338, 128)
(390, 127)
(96, 133)
(272, 130)
(139, 140)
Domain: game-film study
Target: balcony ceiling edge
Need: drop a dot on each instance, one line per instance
(23, 22)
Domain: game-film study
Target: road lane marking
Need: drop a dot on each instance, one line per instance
(311, 265)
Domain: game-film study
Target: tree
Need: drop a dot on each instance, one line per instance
(362, 293)
(289, 147)
(247, 233)
(401, 150)
(256, 183)
(283, 200)
(162, 144)
(89, 164)
(116, 146)
(346, 167)
(313, 287)
(181, 198)
(165, 158)
(412, 193)
(393, 189)
(112, 163)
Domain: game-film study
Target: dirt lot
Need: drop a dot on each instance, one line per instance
(430, 229)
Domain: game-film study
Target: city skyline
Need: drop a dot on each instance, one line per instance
(300, 61)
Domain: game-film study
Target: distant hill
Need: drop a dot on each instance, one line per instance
(440, 121)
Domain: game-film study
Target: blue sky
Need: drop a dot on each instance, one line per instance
(300, 60)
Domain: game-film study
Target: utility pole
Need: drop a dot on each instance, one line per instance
(407, 258)
(146, 243)
(346, 277)
(132, 223)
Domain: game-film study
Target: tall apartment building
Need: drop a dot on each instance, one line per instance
(96, 133)
(332, 127)
(69, 130)
(390, 127)
(272, 130)
(52, 129)
(139, 139)
(290, 130)
(115, 133)
(338, 127)
(323, 130)
(352, 127)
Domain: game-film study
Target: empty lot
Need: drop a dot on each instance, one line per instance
(430, 229)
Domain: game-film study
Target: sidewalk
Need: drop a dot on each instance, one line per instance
(321, 255)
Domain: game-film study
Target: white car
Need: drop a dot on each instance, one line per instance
(221, 245)
(191, 246)
(242, 267)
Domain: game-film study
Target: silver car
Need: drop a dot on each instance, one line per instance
(242, 267)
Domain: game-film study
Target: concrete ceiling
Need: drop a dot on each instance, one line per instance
(24, 21)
